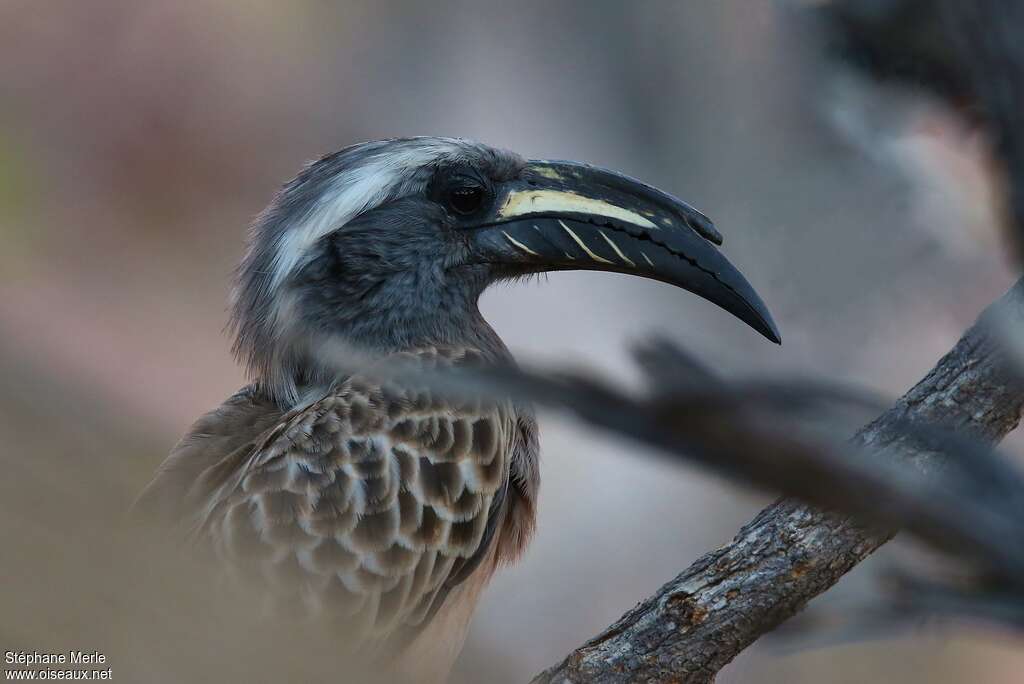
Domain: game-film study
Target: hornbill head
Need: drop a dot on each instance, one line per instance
(388, 245)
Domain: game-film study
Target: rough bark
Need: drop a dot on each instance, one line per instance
(791, 552)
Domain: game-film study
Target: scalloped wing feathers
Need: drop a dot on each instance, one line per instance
(366, 508)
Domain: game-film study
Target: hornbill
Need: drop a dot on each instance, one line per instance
(385, 508)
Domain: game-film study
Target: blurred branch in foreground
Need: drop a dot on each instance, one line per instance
(925, 466)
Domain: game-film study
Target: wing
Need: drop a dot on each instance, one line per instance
(232, 429)
(366, 507)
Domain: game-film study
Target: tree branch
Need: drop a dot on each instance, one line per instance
(791, 552)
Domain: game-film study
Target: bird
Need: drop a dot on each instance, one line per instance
(383, 509)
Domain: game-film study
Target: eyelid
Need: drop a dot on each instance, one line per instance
(464, 182)
(485, 190)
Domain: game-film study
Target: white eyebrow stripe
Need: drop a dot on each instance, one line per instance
(617, 250)
(519, 244)
(348, 196)
(579, 242)
(383, 175)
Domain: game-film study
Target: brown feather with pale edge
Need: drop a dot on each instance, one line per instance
(379, 508)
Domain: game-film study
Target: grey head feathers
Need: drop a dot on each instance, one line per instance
(352, 251)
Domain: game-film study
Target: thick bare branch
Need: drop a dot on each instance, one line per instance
(791, 552)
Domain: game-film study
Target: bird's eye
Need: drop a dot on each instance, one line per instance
(466, 199)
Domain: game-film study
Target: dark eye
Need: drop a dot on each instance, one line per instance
(466, 199)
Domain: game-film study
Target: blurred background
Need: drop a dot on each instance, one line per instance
(139, 138)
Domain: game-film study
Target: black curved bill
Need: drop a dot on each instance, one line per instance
(569, 216)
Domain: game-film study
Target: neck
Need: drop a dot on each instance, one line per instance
(319, 371)
(298, 349)
(391, 318)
